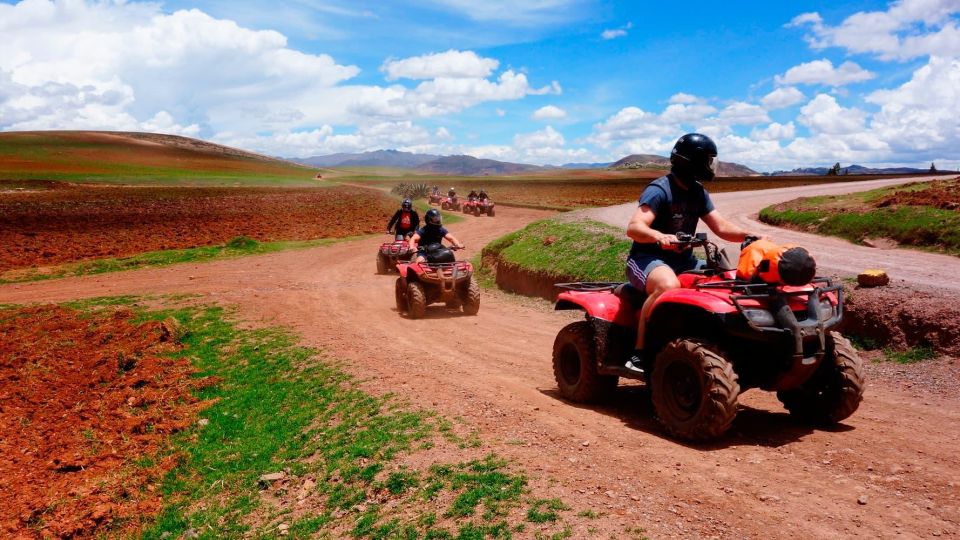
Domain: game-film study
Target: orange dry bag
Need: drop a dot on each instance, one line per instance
(774, 264)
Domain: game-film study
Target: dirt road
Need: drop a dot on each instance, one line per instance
(835, 255)
(771, 478)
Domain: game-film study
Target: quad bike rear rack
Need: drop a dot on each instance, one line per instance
(780, 319)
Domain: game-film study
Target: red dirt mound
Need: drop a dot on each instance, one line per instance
(943, 194)
(57, 223)
(82, 398)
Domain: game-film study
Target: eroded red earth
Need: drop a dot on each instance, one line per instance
(50, 223)
(82, 399)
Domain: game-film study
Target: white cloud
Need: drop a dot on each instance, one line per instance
(501, 113)
(824, 115)
(919, 118)
(686, 99)
(823, 72)
(774, 132)
(450, 64)
(549, 112)
(517, 12)
(741, 113)
(614, 33)
(546, 137)
(782, 97)
(679, 113)
(908, 29)
(404, 135)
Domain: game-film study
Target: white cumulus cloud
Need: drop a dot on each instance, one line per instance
(824, 115)
(549, 112)
(450, 64)
(782, 97)
(823, 72)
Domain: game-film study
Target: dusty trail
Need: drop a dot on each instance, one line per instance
(769, 478)
(833, 254)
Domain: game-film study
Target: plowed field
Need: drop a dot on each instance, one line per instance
(49, 223)
(83, 399)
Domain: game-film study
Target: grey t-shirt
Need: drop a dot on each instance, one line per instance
(675, 209)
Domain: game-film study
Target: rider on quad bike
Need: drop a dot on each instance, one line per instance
(406, 219)
(483, 195)
(669, 205)
(430, 235)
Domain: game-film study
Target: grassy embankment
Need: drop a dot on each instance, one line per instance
(578, 250)
(922, 215)
(280, 407)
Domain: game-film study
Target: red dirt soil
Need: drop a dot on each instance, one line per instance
(83, 397)
(50, 223)
(940, 194)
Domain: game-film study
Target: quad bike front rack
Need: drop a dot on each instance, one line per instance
(446, 274)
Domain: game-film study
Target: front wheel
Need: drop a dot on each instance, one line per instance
(835, 390)
(382, 264)
(575, 365)
(490, 212)
(694, 390)
(470, 298)
(416, 300)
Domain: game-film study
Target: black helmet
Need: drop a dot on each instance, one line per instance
(432, 217)
(407, 204)
(694, 158)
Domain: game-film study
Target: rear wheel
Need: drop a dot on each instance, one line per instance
(444, 206)
(490, 212)
(400, 293)
(575, 365)
(694, 390)
(835, 390)
(382, 264)
(470, 298)
(416, 300)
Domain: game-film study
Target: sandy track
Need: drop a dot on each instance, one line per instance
(833, 254)
(769, 478)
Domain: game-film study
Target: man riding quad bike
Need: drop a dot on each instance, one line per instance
(451, 202)
(406, 220)
(485, 204)
(434, 197)
(690, 332)
(435, 275)
(472, 206)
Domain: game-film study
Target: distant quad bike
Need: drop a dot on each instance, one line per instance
(434, 198)
(450, 203)
(707, 342)
(472, 206)
(391, 253)
(441, 279)
(486, 207)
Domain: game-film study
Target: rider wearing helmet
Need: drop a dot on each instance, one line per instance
(483, 194)
(451, 192)
(668, 205)
(406, 219)
(431, 235)
(472, 194)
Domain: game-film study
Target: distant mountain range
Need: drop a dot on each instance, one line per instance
(652, 161)
(378, 158)
(852, 169)
(471, 166)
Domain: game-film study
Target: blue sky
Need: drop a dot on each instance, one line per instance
(778, 85)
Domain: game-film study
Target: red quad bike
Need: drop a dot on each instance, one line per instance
(450, 203)
(486, 207)
(391, 253)
(707, 342)
(441, 279)
(434, 198)
(472, 206)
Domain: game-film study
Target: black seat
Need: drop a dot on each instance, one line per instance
(630, 294)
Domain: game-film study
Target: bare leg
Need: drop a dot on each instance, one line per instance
(660, 280)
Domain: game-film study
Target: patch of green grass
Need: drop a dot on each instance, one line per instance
(910, 356)
(277, 406)
(544, 510)
(583, 250)
(237, 247)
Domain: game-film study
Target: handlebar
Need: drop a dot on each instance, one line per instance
(692, 240)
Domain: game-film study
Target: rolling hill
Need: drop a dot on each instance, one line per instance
(471, 166)
(109, 156)
(377, 158)
(652, 161)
